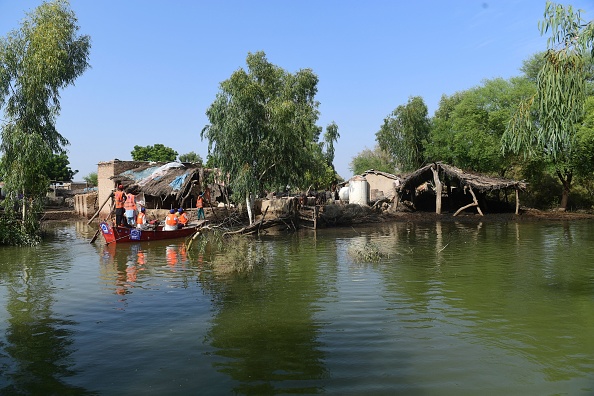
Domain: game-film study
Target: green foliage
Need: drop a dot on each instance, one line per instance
(91, 179)
(191, 157)
(157, 153)
(36, 61)
(367, 159)
(468, 126)
(262, 128)
(330, 137)
(545, 125)
(404, 134)
(57, 168)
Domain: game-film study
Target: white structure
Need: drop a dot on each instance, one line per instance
(358, 191)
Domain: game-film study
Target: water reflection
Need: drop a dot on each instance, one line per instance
(522, 300)
(264, 331)
(36, 347)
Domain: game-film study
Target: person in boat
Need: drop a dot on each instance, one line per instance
(141, 221)
(171, 221)
(130, 207)
(119, 198)
(182, 218)
(200, 206)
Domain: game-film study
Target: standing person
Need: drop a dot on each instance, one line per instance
(171, 221)
(130, 207)
(120, 198)
(200, 206)
(182, 218)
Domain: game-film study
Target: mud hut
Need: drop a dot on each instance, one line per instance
(457, 186)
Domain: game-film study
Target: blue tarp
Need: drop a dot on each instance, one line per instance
(139, 175)
(178, 182)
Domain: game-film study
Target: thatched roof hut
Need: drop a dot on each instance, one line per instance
(163, 184)
(438, 172)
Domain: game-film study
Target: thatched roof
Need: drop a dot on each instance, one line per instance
(172, 179)
(478, 182)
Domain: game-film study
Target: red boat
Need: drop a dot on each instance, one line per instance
(125, 235)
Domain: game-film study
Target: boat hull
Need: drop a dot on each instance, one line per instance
(127, 235)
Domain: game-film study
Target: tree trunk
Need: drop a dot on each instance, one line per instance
(566, 182)
(249, 204)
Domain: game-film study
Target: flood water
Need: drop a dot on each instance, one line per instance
(449, 309)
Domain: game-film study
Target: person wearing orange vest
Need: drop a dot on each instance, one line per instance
(182, 218)
(141, 221)
(171, 221)
(119, 198)
(200, 206)
(130, 207)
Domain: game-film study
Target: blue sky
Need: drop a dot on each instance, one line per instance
(156, 65)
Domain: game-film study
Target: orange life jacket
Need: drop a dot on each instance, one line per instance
(130, 204)
(182, 218)
(141, 218)
(119, 199)
(171, 219)
(199, 202)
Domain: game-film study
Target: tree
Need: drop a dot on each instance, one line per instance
(404, 134)
(191, 157)
(36, 61)
(57, 168)
(467, 127)
(157, 153)
(262, 128)
(367, 159)
(546, 124)
(91, 179)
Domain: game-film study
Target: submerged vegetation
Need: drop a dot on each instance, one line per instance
(229, 254)
(369, 252)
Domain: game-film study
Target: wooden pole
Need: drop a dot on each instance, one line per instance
(517, 201)
(97, 213)
(438, 188)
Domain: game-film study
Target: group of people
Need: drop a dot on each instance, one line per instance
(125, 211)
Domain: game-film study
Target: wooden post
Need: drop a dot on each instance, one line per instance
(517, 201)
(438, 188)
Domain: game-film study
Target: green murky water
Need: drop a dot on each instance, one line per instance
(451, 309)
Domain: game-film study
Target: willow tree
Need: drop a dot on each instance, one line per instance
(546, 124)
(39, 59)
(262, 127)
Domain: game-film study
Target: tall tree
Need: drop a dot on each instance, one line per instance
(467, 127)
(262, 127)
(367, 159)
(191, 157)
(57, 168)
(546, 124)
(404, 134)
(44, 55)
(157, 153)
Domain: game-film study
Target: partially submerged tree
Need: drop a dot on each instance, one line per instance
(263, 127)
(404, 134)
(157, 153)
(36, 61)
(546, 124)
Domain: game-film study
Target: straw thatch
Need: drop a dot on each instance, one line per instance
(173, 180)
(480, 183)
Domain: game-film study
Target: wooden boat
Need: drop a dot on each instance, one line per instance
(124, 235)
